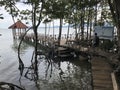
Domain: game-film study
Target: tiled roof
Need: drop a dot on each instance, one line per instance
(18, 25)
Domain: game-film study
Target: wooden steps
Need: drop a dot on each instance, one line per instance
(101, 73)
(64, 53)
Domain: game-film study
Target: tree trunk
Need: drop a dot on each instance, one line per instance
(53, 31)
(36, 48)
(91, 16)
(118, 32)
(60, 31)
(95, 17)
(117, 2)
(45, 33)
(88, 23)
(68, 32)
(82, 24)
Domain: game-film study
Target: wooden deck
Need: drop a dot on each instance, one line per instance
(101, 74)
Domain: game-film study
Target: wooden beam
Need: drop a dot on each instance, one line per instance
(115, 86)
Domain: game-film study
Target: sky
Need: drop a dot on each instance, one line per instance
(7, 21)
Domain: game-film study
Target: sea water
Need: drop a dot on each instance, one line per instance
(72, 74)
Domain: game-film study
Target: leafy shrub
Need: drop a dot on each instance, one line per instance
(106, 44)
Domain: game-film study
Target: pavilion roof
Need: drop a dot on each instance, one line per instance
(18, 25)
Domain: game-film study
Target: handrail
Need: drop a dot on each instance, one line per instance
(115, 85)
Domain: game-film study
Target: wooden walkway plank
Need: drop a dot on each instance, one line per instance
(101, 73)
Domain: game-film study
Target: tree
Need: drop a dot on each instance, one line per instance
(115, 10)
(57, 9)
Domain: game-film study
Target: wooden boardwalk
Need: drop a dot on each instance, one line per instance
(101, 74)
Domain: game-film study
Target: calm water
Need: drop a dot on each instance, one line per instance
(66, 75)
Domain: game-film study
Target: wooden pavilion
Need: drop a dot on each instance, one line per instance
(18, 28)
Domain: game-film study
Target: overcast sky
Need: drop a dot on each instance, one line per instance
(7, 21)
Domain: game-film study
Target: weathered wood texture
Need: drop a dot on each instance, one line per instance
(101, 73)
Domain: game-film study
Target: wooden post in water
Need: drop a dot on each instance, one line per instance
(14, 33)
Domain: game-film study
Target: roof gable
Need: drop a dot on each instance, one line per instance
(18, 25)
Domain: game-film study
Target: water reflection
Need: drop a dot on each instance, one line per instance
(15, 45)
(66, 75)
(72, 74)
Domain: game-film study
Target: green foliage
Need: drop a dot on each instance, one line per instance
(9, 6)
(70, 10)
(56, 9)
(106, 44)
(1, 16)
